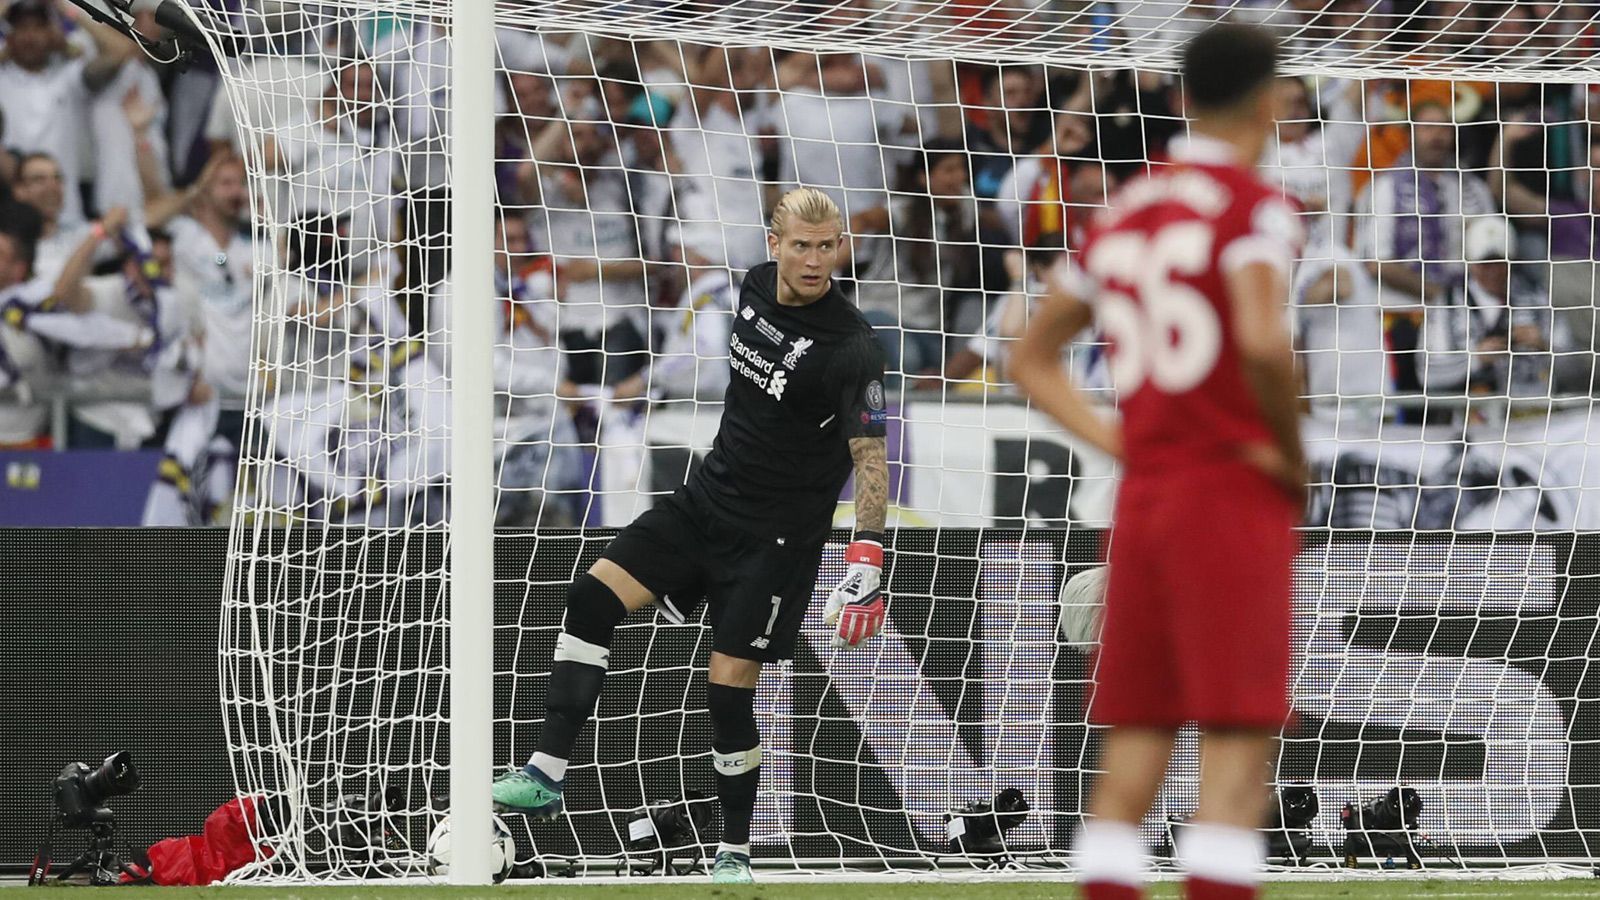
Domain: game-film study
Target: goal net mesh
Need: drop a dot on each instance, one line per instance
(1443, 315)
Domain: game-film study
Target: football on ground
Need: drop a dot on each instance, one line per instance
(502, 853)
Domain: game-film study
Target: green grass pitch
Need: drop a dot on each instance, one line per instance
(1374, 889)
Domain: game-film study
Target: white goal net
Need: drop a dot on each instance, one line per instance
(1446, 605)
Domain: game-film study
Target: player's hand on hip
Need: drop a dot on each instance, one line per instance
(1289, 474)
(856, 607)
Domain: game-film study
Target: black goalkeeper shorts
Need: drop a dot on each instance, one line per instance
(757, 589)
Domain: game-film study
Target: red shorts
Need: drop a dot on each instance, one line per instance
(1197, 612)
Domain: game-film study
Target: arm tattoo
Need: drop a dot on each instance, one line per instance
(871, 456)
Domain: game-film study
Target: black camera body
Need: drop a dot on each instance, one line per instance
(1384, 826)
(1396, 810)
(978, 829)
(1287, 826)
(1294, 808)
(366, 831)
(666, 829)
(81, 793)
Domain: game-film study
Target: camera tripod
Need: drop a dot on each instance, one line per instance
(100, 860)
(1379, 844)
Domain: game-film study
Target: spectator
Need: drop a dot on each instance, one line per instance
(59, 310)
(22, 420)
(1511, 36)
(528, 96)
(1149, 25)
(594, 238)
(10, 162)
(131, 111)
(986, 355)
(1442, 28)
(536, 447)
(1339, 31)
(1574, 242)
(1489, 335)
(192, 91)
(195, 479)
(611, 66)
(661, 67)
(926, 88)
(42, 186)
(214, 259)
(717, 137)
(1534, 169)
(530, 105)
(129, 383)
(280, 82)
(833, 130)
(1013, 120)
(1410, 218)
(380, 462)
(1572, 223)
(1339, 335)
(1309, 159)
(413, 67)
(917, 261)
(342, 165)
(45, 93)
(1135, 112)
(1038, 197)
(648, 158)
(536, 50)
(691, 362)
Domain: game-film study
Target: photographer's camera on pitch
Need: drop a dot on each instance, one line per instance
(665, 836)
(1397, 809)
(81, 793)
(1383, 827)
(978, 829)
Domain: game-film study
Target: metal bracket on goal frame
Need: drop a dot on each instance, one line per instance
(179, 50)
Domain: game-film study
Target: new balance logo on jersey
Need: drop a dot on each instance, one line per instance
(792, 358)
(779, 381)
(760, 643)
(748, 313)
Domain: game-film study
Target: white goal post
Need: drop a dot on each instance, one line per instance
(471, 517)
(499, 248)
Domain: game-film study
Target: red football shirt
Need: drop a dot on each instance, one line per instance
(1197, 613)
(1153, 268)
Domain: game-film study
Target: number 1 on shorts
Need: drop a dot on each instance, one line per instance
(777, 603)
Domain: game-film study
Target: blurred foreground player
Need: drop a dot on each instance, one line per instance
(1187, 275)
(804, 406)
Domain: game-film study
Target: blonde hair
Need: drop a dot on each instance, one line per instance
(809, 205)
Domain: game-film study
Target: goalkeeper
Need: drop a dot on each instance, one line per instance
(804, 405)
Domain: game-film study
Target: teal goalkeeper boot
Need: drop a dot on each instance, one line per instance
(528, 791)
(731, 868)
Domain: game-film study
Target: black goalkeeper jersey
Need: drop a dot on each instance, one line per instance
(805, 380)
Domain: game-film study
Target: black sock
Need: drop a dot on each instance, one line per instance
(574, 692)
(737, 793)
(736, 755)
(579, 670)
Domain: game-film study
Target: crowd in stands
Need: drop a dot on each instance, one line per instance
(1449, 232)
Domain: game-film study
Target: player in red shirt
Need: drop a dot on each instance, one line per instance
(1186, 275)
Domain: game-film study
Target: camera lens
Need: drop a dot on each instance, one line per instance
(115, 777)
